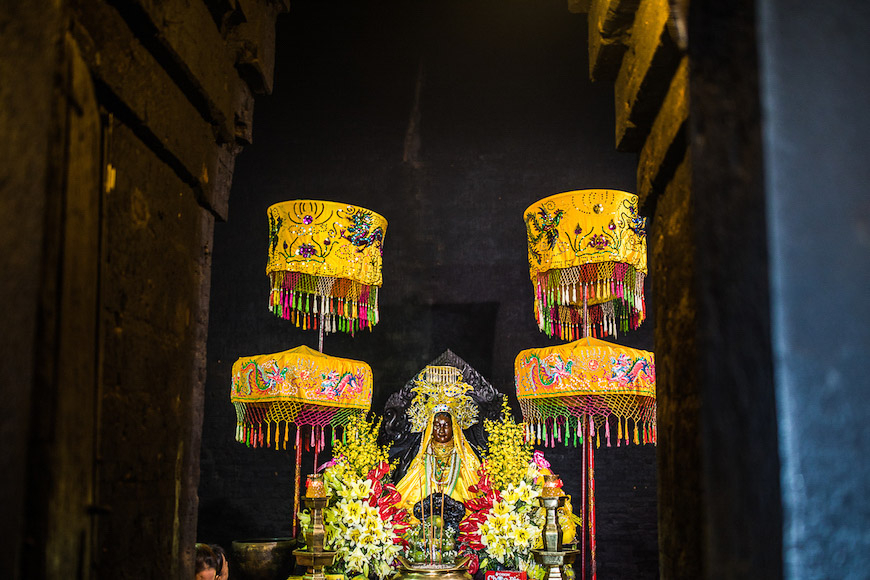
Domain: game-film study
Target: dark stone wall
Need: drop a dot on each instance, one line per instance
(121, 121)
(30, 38)
(448, 118)
(678, 407)
(157, 238)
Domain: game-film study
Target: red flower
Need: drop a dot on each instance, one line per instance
(378, 472)
(473, 563)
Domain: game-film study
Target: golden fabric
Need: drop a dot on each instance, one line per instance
(559, 385)
(298, 386)
(588, 226)
(587, 247)
(325, 264)
(419, 481)
(325, 238)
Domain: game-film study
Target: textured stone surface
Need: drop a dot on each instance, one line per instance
(131, 75)
(644, 74)
(153, 322)
(665, 147)
(253, 42)
(610, 23)
(680, 491)
(816, 171)
(123, 158)
(741, 467)
(177, 32)
(30, 42)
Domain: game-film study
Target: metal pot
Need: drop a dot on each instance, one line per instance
(262, 559)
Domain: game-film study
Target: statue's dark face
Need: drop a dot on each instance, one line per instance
(442, 428)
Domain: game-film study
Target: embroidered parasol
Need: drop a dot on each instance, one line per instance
(325, 264)
(568, 392)
(297, 388)
(324, 267)
(587, 263)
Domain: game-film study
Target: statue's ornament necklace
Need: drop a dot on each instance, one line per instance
(442, 465)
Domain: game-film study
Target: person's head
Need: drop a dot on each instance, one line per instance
(223, 567)
(442, 427)
(206, 563)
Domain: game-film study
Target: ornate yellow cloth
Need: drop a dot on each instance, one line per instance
(298, 386)
(587, 226)
(558, 385)
(421, 478)
(326, 238)
(587, 243)
(325, 260)
(304, 375)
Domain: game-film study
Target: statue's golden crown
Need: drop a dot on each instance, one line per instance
(441, 390)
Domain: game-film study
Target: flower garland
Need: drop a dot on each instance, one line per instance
(363, 524)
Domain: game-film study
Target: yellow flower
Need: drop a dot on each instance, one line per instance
(521, 536)
(527, 493)
(509, 454)
(501, 508)
(360, 489)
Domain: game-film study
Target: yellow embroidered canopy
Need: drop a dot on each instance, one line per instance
(559, 385)
(571, 390)
(298, 386)
(587, 262)
(325, 260)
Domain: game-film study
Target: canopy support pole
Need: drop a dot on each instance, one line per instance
(583, 533)
(590, 456)
(296, 480)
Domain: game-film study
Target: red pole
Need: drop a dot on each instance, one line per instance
(585, 431)
(296, 479)
(591, 476)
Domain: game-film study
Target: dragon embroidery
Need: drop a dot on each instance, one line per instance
(550, 369)
(261, 379)
(544, 228)
(336, 387)
(360, 234)
(625, 371)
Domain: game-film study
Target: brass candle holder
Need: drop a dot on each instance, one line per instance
(314, 557)
(553, 556)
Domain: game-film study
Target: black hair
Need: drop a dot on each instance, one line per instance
(221, 557)
(205, 558)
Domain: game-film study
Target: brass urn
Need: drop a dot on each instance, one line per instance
(553, 557)
(314, 557)
(262, 558)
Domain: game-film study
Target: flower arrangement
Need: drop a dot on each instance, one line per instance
(506, 521)
(504, 526)
(363, 524)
